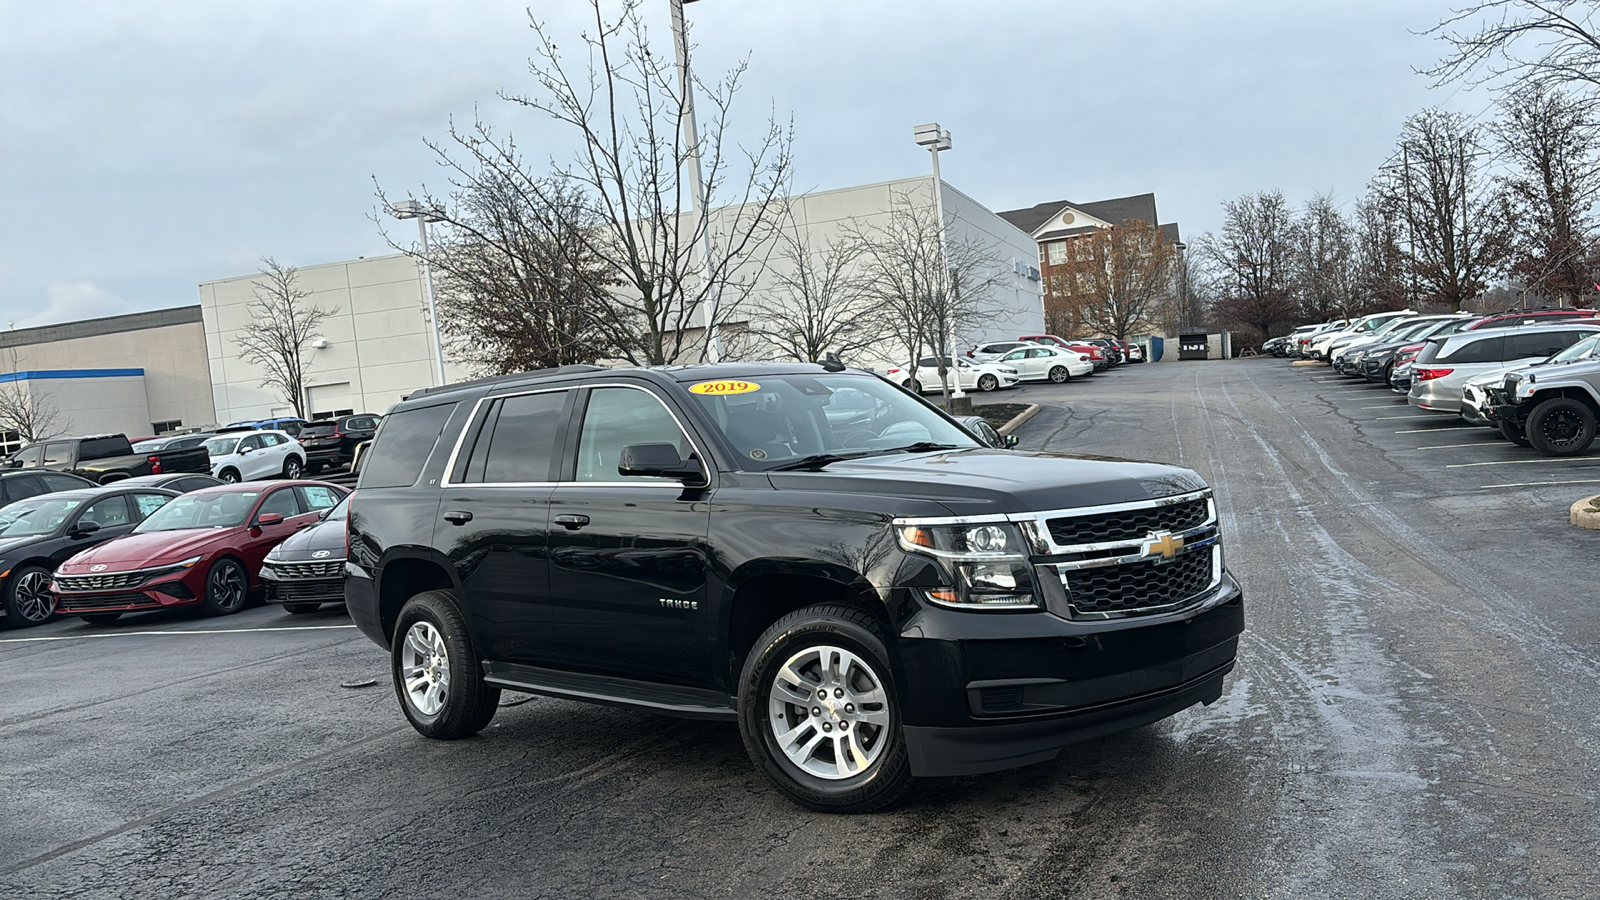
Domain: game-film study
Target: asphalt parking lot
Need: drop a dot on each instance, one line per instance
(1415, 713)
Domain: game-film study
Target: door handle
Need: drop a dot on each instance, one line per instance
(572, 522)
(458, 517)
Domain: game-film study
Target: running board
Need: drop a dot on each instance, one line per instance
(667, 699)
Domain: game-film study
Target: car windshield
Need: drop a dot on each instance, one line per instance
(148, 446)
(31, 517)
(206, 509)
(221, 446)
(1581, 350)
(780, 418)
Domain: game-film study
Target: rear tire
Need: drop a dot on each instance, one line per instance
(313, 469)
(292, 467)
(1561, 426)
(811, 753)
(1060, 375)
(437, 674)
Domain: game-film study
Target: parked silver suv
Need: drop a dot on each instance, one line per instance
(1445, 364)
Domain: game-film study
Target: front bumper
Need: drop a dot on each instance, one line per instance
(995, 691)
(153, 596)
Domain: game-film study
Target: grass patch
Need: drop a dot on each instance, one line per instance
(998, 414)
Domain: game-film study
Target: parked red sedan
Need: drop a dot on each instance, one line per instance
(201, 549)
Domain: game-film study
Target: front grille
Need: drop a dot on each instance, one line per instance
(108, 582)
(320, 569)
(106, 601)
(1128, 524)
(1139, 585)
(328, 591)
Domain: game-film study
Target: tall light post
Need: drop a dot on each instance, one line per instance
(699, 202)
(935, 139)
(412, 209)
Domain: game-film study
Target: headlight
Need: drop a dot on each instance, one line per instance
(987, 564)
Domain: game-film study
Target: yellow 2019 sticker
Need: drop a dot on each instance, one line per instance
(725, 387)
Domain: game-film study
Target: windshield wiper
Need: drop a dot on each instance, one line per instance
(921, 447)
(814, 462)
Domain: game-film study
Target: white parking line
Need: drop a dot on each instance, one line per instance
(1510, 462)
(1423, 416)
(1454, 446)
(1432, 430)
(1541, 483)
(108, 634)
(1385, 406)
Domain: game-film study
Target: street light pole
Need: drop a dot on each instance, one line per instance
(412, 209)
(935, 139)
(699, 203)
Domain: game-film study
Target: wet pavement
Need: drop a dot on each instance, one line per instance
(1415, 713)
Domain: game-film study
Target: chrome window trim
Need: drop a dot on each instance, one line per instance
(455, 451)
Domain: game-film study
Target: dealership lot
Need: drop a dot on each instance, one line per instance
(1414, 714)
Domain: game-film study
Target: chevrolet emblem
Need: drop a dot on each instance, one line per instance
(1163, 544)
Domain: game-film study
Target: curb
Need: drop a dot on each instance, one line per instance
(1586, 513)
(1025, 415)
(1308, 362)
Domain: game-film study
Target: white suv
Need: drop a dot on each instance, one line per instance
(246, 456)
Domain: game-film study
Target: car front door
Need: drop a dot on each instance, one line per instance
(114, 516)
(494, 518)
(261, 537)
(628, 555)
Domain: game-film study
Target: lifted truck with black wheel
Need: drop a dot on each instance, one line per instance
(811, 553)
(1553, 406)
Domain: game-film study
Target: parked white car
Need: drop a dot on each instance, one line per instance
(248, 455)
(1040, 363)
(970, 375)
(1329, 341)
(995, 349)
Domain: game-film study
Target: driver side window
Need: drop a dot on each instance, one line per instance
(281, 502)
(616, 417)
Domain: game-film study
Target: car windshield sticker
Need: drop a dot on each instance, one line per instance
(725, 387)
(758, 453)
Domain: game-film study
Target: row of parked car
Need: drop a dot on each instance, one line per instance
(1532, 375)
(1003, 364)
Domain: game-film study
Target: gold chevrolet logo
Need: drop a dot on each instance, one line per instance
(1163, 544)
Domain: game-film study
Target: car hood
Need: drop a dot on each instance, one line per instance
(323, 536)
(983, 481)
(138, 551)
(16, 546)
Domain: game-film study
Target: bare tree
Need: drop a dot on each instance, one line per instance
(1380, 259)
(627, 107)
(1254, 254)
(1453, 211)
(819, 301)
(518, 286)
(1520, 42)
(281, 328)
(1115, 280)
(924, 296)
(1552, 143)
(1324, 262)
(32, 417)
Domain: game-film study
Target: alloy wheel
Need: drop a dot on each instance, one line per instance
(425, 665)
(291, 469)
(226, 586)
(829, 712)
(34, 602)
(1561, 428)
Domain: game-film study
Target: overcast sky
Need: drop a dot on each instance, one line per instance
(147, 146)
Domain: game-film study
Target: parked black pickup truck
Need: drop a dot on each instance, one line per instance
(870, 598)
(105, 458)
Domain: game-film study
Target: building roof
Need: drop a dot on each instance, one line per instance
(139, 321)
(1115, 211)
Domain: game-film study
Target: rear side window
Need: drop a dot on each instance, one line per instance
(1522, 346)
(521, 446)
(24, 486)
(1479, 351)
(56, 482)
(403, 446)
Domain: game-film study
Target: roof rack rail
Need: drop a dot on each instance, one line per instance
(572, 369)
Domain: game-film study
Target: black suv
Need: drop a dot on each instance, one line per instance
(332, 442)
(812, 552)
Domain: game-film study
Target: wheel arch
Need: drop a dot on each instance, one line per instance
(763, 591)
(404, 574)
(1579, 394)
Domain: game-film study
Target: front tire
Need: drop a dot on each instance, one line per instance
(226, 588)
(1513, 432)
(28, 600)
(1060, 375)
(292, 468)
(840, 750)
(228, 476)
(437, 674)
(1561, 426)
(988, 383)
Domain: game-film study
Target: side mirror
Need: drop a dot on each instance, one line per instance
(244, 450)
(659, 461)
(269, 519)
(1010, 440)
(84, 529)
(323, 516)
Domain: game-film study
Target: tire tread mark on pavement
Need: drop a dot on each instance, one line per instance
(218, 793)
